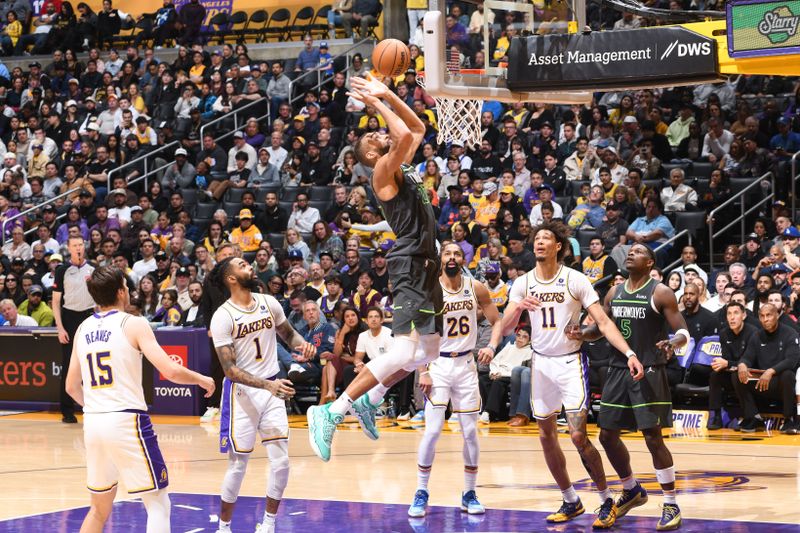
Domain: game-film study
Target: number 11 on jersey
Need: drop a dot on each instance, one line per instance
(548, 311)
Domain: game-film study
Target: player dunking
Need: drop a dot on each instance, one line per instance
(642, 309)
(119, 437)
(244, 333)
(413, 266)
(553, 295)
(453, 377)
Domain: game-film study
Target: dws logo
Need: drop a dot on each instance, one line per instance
(687, 50)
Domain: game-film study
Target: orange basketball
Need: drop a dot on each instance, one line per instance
(391, 57)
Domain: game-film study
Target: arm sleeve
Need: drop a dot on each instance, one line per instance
(221, 328)
(361, 344)
(58, 282)
(791, 355)
(517, 293)
(749, 354)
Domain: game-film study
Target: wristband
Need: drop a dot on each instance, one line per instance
(492, 348)
(683, 332)
(630, 353)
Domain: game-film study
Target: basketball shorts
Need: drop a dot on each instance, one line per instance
(123, 446)
(455, 379)
(636, 405)
(559, 381)
(417, 295)
(248, 413)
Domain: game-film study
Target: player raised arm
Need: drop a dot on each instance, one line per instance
(485, 355)
(141, 337)
(398, 107)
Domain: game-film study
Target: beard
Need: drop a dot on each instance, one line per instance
(251, 284)
(451, 271)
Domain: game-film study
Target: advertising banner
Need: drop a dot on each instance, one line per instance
(30, 367)
(189, 348)
(613, 60)
(758, 28)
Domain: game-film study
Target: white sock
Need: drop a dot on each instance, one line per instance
(342, 404)
(224, 526)
(604, 495)
(376, 393)
(629, 482)
(268, 519)
(569, 495)
(470, 478)
(798, 409)
(669, 497)
(423, 475)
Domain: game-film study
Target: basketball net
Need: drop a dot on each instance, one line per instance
(459, 119)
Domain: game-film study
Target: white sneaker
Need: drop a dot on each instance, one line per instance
(265, 528)
(404, 416)
(294, 371)
(484, 419)
(453, 419)
(209, 416)
(419, 417)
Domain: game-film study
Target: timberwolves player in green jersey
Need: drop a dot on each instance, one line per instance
(643, 310)
(413, 266)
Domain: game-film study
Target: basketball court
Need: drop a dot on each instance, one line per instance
(726, 481)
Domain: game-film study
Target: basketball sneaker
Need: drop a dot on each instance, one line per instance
(365, 412)
(420, 504)
(265, 528)
(789, 427)
(470, 503)
(751, 425)
(670, 517)
(566, 512)
(209, 416)
(321, 427)
(606, 515)
(631, 498)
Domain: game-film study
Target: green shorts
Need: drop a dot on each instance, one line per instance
(636, 405)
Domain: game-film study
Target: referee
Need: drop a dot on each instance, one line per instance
(72, 304)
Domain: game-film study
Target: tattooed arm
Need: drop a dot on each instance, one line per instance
(290, 336)
(227, 357)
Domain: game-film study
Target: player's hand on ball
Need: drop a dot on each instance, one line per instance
(282, 389)
(369, 86)
(207, 384)
(636, 368)
(485, 356)
(425, 383)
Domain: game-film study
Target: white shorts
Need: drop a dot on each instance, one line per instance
(247, 411)
(455, 379)
(559, 381)
(122, 445)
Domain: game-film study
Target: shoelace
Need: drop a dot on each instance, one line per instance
(419, 500)
(328, 428)
(669, 512)
(605, 509)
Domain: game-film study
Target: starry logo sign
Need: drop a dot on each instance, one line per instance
(758, 28)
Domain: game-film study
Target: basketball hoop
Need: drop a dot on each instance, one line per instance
(459, 118)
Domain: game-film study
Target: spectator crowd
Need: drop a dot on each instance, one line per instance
(164, 168)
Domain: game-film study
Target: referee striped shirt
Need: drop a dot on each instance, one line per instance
(70, 281)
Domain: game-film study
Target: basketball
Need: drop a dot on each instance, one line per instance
(391, 57)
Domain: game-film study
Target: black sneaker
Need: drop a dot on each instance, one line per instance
(752, 425)
(567, 512)
(69, 419)
(789, 427)
(714, 421)
(606, 515)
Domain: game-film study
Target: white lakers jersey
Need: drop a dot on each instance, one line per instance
(460, 318)
(562, 299)
(111, 368)
(252, 332)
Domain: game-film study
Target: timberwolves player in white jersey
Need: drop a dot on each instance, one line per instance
(453, 377)
(244, 331)
(105, 377)
(554, 296)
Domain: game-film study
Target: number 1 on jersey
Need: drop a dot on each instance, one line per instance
(259, 356)
(552, 313)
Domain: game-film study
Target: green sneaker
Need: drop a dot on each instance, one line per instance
(321, 426)
(365, 412)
